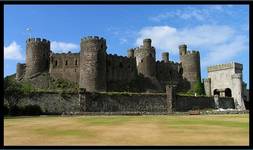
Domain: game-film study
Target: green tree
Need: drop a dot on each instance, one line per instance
(199, 88)
(14, 91)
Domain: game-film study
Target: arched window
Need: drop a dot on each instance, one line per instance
(66, 62)
(55, 63)
(76, 62)
(228, 92)
(216, 92)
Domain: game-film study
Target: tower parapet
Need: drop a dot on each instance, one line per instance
(236, 66)
(93, 64)
(37, 56)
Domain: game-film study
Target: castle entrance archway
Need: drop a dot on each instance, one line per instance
(228, 92)
(216, 92)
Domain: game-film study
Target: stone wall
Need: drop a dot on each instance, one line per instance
(65, 66)
(53, 103)
(126, 103)
(168, 73)
(57, 103)
(185, 103)
(120, 68)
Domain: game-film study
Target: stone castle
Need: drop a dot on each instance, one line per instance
(96, 71)
(148, 85)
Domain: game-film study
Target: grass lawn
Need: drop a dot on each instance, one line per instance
(128, 130)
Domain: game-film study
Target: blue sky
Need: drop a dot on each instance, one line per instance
(219, 32)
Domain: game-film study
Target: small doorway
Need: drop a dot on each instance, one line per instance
(228, 92)
(216, 92)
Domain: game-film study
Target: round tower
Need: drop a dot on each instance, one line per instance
(37, 56)
(165, 56)
(93, 64)
(20, 71)
(145, 59)
(191, 67)
(130, 53)
(147, 43)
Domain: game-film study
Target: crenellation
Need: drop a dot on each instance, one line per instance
(225, 66)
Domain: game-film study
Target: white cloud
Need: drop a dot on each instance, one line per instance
(216, 44)
(13, 51)
(63, 46)
(191, 13)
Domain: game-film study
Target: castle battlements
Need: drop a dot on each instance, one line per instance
(37, 40)
(193, 52)
(225, 66)
(88, 38)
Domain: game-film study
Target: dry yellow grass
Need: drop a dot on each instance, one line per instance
(128, 130)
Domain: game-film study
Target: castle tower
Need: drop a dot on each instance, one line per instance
(20, 71)
(93, 64)
(37, 56)
(207, 85)
(130, 53)
(145, 59)
(147, 43)
(182, 50)
(190, 64)
(237, 91)
(165, 56)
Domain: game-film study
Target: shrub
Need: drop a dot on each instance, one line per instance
(32, 110)
(14, 91)
(199, 88)
(16, 110)
(6, 110)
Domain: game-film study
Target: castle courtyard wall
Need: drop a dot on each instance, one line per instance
(57, 103)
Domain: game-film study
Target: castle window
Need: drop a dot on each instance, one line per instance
(55, 63)
(76, 62)
(66, 62)
(101, 45)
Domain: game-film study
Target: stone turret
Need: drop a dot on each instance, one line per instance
(182, 50)
(145, 59)
(190, 64)
(130, 53)
(20, 71)
(93, 64)
(37, 56)
(165, 56)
